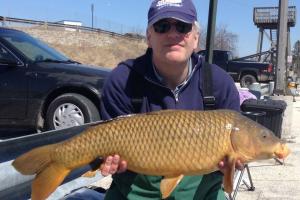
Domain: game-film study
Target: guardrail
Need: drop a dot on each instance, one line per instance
(132, 36)
(17, 186)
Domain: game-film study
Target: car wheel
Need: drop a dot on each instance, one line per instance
(247, 80)
(69, 110)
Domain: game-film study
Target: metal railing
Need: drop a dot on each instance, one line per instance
(35, 23)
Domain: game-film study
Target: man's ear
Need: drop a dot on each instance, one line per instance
(148, 34)
(196, 44)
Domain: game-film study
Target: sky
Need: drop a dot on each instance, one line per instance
(131, 15)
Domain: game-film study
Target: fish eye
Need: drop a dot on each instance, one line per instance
(265, 135)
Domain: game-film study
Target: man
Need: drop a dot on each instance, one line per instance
(167, 76)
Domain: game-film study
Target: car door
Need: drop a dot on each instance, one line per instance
(13, 86)
(220, 59)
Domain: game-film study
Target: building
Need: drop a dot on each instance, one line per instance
(71, 23)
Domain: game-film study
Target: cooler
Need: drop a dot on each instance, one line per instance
(273, 113)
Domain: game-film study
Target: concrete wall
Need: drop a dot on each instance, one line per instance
(93, 48)
(62, 37)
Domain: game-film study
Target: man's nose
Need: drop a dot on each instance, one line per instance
(173, 32)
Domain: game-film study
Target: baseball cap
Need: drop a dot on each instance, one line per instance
(183, 10)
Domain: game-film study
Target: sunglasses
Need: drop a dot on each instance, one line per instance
(163, 26)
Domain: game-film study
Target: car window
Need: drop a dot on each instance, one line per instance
(229, 56)
(32, 48)
(5, 55)
(218, 55)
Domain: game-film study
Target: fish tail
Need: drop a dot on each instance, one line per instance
(49, 174)
(35, 160)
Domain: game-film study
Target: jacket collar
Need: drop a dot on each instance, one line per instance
(144, 65)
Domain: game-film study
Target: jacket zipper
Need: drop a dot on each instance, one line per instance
(160, 85)
(175, 95)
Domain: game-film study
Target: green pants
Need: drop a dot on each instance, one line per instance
(208, 187)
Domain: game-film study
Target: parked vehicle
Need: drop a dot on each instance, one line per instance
(42, 89)
(243, 71)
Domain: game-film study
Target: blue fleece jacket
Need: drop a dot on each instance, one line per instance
(121, 87)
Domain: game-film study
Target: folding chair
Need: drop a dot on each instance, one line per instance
(238, 178)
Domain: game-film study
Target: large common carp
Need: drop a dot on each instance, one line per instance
(169, 143)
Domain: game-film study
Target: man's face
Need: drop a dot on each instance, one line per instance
(170, 42)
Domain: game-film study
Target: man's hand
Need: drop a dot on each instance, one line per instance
(112, 165)
(224, 164)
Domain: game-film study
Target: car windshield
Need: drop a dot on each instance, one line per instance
(34, 49)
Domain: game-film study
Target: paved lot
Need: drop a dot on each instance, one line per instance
(275, 181)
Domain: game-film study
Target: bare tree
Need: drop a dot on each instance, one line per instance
(296, 49)
(202, 40)
(296, 57)
(224, 39)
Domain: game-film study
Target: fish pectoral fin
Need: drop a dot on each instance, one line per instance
(229, 175)
(168, 184)
(89, 174)
(48, 180)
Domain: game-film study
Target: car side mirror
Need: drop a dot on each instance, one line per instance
(8, 62)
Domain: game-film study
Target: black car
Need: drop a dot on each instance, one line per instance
(42, 89)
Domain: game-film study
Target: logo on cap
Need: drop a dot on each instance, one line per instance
(164, 3)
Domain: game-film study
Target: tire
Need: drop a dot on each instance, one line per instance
(69, 110)
(247, 80)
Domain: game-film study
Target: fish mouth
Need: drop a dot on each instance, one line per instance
(282, 152)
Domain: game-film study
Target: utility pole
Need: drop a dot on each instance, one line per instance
(92, 9)
(297, 55)
(280, 74)
(211, 26)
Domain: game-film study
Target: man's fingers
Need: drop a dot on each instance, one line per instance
(221, 164)
(239, 165)
(105, 167)
(122, 166)
(114, 164)
(224, 164)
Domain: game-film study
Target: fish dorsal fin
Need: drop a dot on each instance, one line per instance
(228, 175)
(161, 112)
(164, 112)
(168, 184)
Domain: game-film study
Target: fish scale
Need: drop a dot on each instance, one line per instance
(157, 142)
(169, 143)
